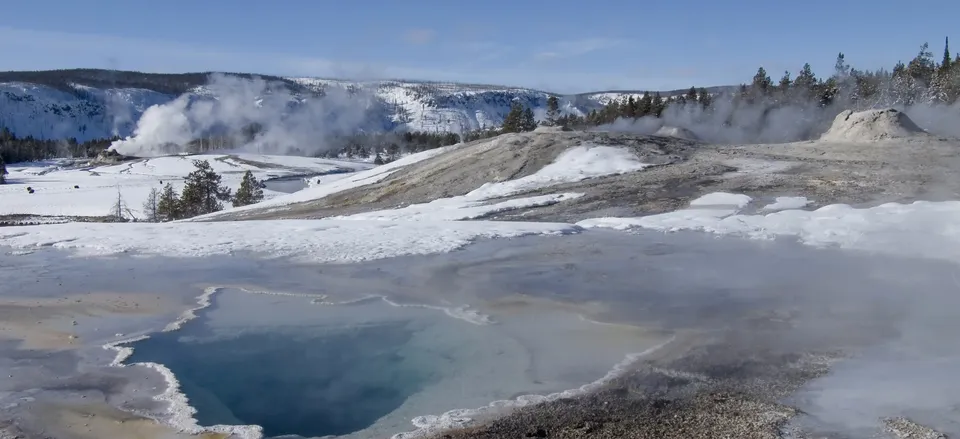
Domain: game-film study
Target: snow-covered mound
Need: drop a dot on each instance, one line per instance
(871, 126)
(68, 188)
(676, 132)
(515, 171)
(573, 165)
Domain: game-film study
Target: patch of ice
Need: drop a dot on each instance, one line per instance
(784, 203)
(203, 301)
(301, 240)
(722, 199)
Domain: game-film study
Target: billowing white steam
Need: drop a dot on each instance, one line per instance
(228, 106)
(769, 122)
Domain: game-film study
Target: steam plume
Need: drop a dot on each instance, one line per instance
(254, 114)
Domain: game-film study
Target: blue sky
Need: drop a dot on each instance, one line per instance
(557, 45)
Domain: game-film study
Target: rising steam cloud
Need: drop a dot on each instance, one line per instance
(229, 106)
(729, 121)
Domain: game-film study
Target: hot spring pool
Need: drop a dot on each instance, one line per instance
(368, 368)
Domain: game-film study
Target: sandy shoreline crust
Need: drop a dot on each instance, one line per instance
(54, 324)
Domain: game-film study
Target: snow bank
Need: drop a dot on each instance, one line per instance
(575, 164)
(920, 229)
(871, 126)
(301, 240)
(459, 208)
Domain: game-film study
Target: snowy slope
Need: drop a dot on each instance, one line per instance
(576, 164)
(88, 112)
(55, 193)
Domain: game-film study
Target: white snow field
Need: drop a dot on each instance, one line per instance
(922, 229)
(301, 240)
(573, 165)
(54, 181)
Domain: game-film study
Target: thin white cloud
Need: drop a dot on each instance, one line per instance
(419, 36)
(42, 50)
(574, 48)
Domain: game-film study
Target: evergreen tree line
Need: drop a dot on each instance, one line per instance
(922, 80)
(388, 146)
(202, 193)
(167, 83)
(15, 149)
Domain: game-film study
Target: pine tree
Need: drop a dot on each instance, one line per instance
(645, 106)
(805, 81)
(3, 171)
(691, 95)
(512, 122)
(658, 105)
(202, 192)
(922, 66)
(553, 110)
(841, 69)
(250, 190)
(704, 98)
(947, 62)
(761, 82)
(629, 108)
(785, 82)
(150, 206)
(527, 121)
(168, 205)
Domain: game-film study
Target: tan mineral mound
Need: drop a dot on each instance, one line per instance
(676, 133)
(871, 126)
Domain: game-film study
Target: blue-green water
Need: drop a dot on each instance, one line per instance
(316, 381)
(368, 368)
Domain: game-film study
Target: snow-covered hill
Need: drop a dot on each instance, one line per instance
(87, 112)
